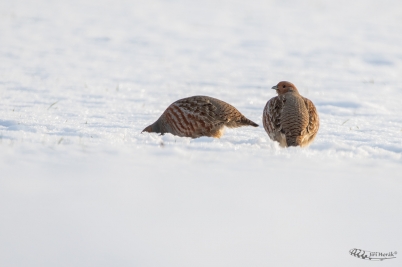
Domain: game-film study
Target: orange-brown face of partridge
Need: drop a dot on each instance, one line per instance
(284, 87)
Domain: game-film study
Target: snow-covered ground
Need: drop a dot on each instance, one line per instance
(80, 186)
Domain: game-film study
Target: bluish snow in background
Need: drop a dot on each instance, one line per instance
(80, 186)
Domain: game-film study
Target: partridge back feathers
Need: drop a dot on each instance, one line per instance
(198, 116)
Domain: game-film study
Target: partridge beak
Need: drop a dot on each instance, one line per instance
(275, 87)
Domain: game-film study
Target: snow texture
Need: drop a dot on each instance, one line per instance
(81, 186)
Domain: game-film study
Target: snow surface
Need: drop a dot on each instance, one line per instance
(80, 186)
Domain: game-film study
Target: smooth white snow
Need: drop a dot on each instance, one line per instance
(80, 186)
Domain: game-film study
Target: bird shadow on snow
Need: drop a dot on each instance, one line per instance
(208, 143)
(15, 126)
(377, 60)
(6, 123)
(389, 148)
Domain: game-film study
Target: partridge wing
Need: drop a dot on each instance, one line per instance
(314, 121)
(272, 116)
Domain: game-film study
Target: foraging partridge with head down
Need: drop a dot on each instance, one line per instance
(198, 116)
(290, 118)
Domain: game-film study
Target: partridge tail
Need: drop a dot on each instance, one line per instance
(245, 121)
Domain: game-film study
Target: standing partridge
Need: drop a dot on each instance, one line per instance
(289, 118)
(198, 116)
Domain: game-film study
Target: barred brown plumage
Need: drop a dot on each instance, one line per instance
(198, 116)
(289, 118)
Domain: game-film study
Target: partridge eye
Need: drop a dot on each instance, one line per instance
(284, 86)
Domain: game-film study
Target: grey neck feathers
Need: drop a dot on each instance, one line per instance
(293, 91)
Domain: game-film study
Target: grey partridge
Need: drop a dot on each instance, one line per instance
(198, 116)
(289, 118)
